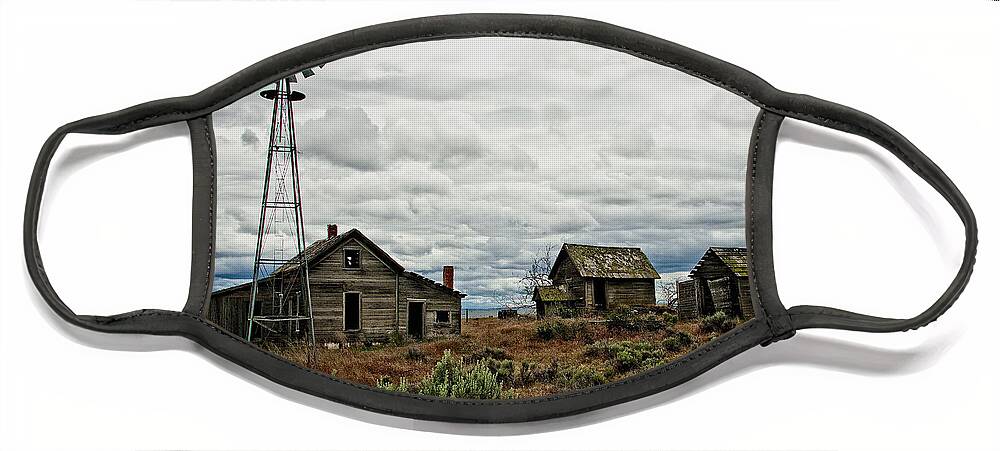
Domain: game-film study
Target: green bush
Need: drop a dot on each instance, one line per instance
(526, 373)
(386, 384)
(479, 383)
(717, 322)
(503, 368)
(639, 319)
(678, 341)
(560, 310)
(581, 377)
(397, 339)
(562, 329)
(530, 372)
(449, 379)
(628, 355)
(486, 352)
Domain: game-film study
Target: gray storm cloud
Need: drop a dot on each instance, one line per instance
(479, 153)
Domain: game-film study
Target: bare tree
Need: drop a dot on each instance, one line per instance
(508, 300)
(668, 293)
(537, 275)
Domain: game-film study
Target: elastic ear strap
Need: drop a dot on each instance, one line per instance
(137, 321)
(858, 123)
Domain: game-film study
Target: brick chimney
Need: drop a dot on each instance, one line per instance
(448, 276)
(331, 230)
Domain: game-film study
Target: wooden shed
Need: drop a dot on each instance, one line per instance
(359, 293)
(718, 282)
(598, 277)
(547, 299)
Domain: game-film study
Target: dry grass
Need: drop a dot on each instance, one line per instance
(517, 338)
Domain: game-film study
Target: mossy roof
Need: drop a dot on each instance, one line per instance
(551, 294)
(607, 262)
(735, 258)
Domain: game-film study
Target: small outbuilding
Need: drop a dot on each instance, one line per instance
(597, 278)
(719, 282)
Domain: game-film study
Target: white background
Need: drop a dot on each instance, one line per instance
(853, 229)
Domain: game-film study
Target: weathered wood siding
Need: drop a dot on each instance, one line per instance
(687, 306)
(712, 268)
(383, 294)
(435, 299)
(230, 311)
(630, 292)
(578, 288)
(732, 295)
(721, 290)
(376, 282)
(746, 304)
(714, 286)
(699, 297)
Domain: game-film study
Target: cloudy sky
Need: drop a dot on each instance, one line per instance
(479, 153)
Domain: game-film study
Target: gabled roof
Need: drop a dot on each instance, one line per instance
(735, 258)
(606, 262)
(550, 294)
(319, 250)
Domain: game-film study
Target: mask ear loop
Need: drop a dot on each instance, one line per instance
(855, 122)
(147, 321)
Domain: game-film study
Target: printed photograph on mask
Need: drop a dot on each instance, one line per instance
(486, 218)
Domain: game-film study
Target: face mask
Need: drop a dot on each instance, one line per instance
(487, 217)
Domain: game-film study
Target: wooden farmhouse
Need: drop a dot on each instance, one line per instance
(596, 278)
(359, 293)
(719, 282)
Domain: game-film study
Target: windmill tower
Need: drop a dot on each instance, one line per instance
(280, 302)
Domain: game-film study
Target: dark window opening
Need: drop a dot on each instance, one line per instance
(442, 316)
(352, 311)
(352, 258)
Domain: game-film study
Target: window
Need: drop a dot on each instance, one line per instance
(352, 258)
(352, 311)
(442, 316)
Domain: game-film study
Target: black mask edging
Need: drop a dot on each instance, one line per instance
(773, 322)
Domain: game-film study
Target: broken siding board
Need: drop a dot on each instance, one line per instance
(687, 306)
(711, 293)
(721, 293)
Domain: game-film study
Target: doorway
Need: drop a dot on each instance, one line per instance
(415, 319)
(600, 295)
(352, 311)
